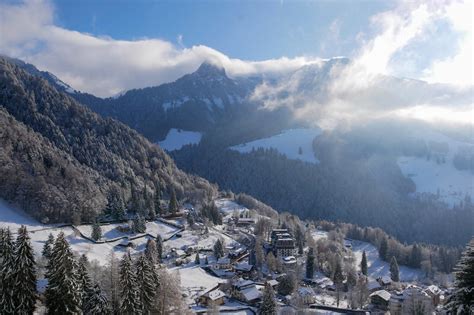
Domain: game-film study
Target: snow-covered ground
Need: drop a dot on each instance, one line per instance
(376, 266)
(14, 218)
(228, 206)
(379, 268)
(288, 143)
(431, 177)
(190, 238)
(194, 280)
(176, 139)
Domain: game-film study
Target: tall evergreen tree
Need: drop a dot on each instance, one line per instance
(48, 246)
(24, 274)
(115, 204)
(173, 205)
(159, 247)
(218, 249)
(338, 280)
(416, 256)
(97, 303)
(146, 282)
(462, 301)
(151, 251)
(394, 271)
(157, 200)
(130, 300)
(363, 264)
(383, 250)
(139, 224)
(310, 264)
(197, 259)
(268, 306)
(84, 280)
(63, 294)
(96, 232)
(7, 281)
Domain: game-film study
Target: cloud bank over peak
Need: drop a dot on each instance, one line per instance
(104, 66)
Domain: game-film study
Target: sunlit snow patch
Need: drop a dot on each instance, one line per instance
(296, 144)
(176, 139)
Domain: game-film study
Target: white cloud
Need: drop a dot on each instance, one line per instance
(457, 69)
(105, 66)
(364, 89)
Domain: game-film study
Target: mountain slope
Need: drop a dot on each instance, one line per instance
(62, 137)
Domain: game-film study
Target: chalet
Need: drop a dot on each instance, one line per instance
(213, 295)
(223, 263)
(283, 243)
(307, 295)
(380, 299)
(273, 283)
(243, 268)
(403, 302)
(435, 293)
(245, 222)
(246, 291)
(385, 281)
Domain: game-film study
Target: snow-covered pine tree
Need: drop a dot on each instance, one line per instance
(462, 301)
(24, 274)
(173, 205)
(157, 200)
(310, 264)
(130, 300)
(151, 251)
(383, 249)
(85, 283)
(115, 204)
(268, 306)
(218, 249)
(197, 259)
(146, 283)
(97, 303)
(394, 270)
(96, 232)
(159, 247)
(363, 264)
(7, 280)
(139, 224)
(48, 246)
(63, 294)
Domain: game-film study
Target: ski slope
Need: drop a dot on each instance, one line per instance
(288, 143)
(432, 177)
(176, 139)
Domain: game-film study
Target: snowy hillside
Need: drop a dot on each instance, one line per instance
(432, 176)
(14, 218)
(296, 144)
(176, 139)
(377, 267)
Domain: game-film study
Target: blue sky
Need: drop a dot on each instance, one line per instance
(254, 30)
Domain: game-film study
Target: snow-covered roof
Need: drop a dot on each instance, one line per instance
(243, 267)
(373, 284)
(223, 261)
(272, 282)
(251, 293)
(216, 294)
(243, 283)
(385, 295)
(305, 291)
(386, 280)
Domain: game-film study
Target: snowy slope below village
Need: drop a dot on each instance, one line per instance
(376, 266)
(288, 142)
(433, 177)
(177, 138)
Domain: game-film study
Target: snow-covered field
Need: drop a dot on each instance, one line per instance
(288, 143)
(379, 268)
(190, 238)
(429, 176)
(376, 266)
(13, 219)
(176, 139)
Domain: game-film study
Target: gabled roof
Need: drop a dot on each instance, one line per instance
(385, 295)
(243, 283)
(251, 294)
(305, 291)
